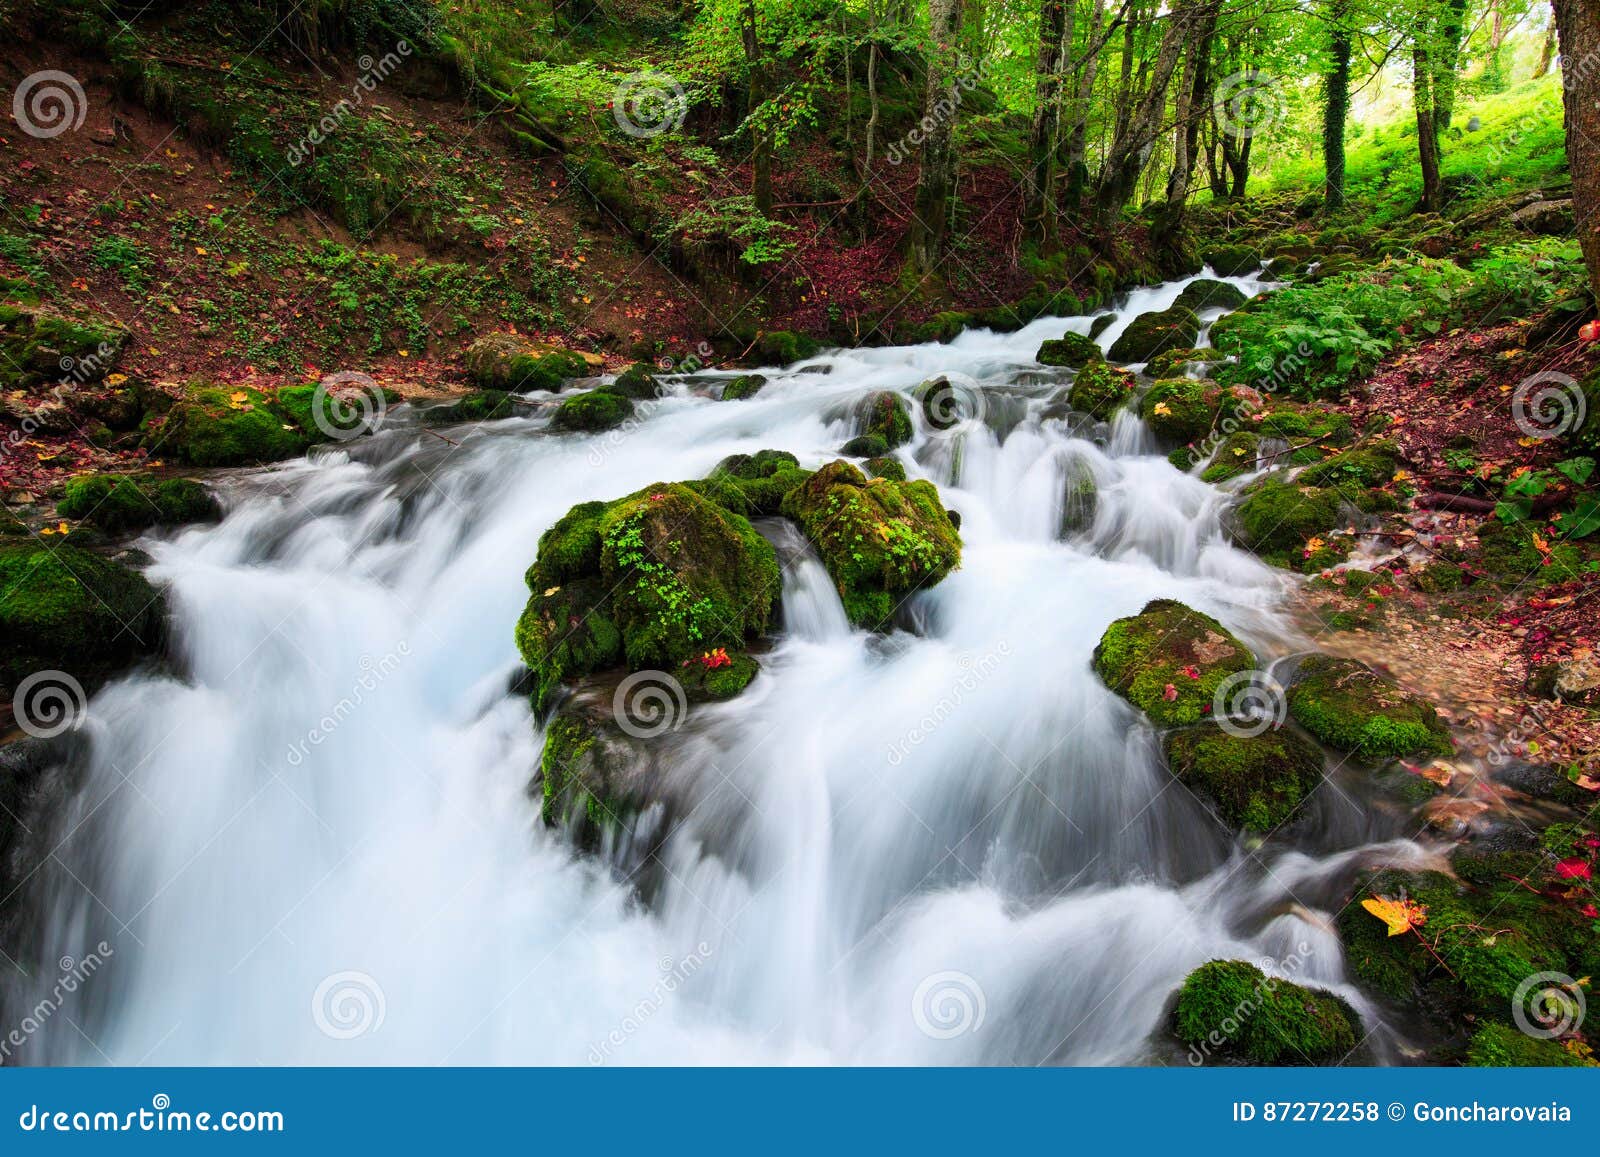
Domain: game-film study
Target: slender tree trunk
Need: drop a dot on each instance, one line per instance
(1077, 147)
(1578, 24)
(1446, 63)
(1547, 52)
(931, 216)
(1335, 106)
(1494, 76)
(1427, 135)
(1055, 40)
(761, 144)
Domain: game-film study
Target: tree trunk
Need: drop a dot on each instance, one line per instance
(1494, 77)
(1077, 147)
(1427, 135)
(1055, 40)
(761, 144)
(1446, 63)
(1547, 52)
(1578, 24)
(931, 217)
(1335, 107)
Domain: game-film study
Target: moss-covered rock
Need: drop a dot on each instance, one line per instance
(1172, 363)
(1275, 517)
(221, 426)
(1236, 455)
(1205, 293)
(1509, 556)
(1256, 781)
(1232, 1008)
(753, 484)
(1180, 410)
(717, 675)
(1080, 499)
(743, 386)
(1365, 467)
(1501, 1046)
(1072, 350)
(782, 347)
(945, 405)
(891, 468)
(1100, 390)
(511, 362)
(478, 406)
(64, 608)
(880, 540)
(119, 502)
(1348, 705)
(593, 411)
(1232, 260)
(885, 415)
(638, 381)
(1168, 661)
(593, 775)
(40, 345)
(865, 446)
(1152, 333)
(338, 410)
(644, 581)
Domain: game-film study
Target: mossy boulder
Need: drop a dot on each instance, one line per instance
(716, 675)
(1256, 781)
(1232, 1008)
(638, 382)
(223, 426)
(1206, 293)
(1152, 333)
(1502, 1046)
(1072, 350)
(743, 386)
(120, 502)
(1168, 661)
(1508, 556)
(891, 468)
(1100, 390)
(511, 362)
(1172, 363)
(40, 345)
(1348, 705)
(782, 347)
(886, 415)
(478, 406)
(753, 484)
(592, 412)
(865, 446)
(64, 608)
(1080, 499)
(1361, 468)
(645, 581)
(945, 406)
(1232, 260)
(1275, 518)
(1180, 410)
(342, 410)
(1236, 455)
(880, 540)
(593, 775)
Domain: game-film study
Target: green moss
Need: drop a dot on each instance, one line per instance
(638, 381)
(1072, 350)
(743, 386)
(1276, 517)
(865, 446)
(1180, 410)
(1171, 363)
(1439, 577)
(1142, 656)
(1079, 500)
(880, 540)
(218, 426)
(1233, 1008)
(1368, 467)
(591, 412)
(1256, 782)
(1508, 556)
(1232, 260)
(1349, 706)
(1237, 455)
(648, 581)
(885, 415)
(891, 468)
(1152, 333)
(118, 502)
(783, 347)
(943, 405)
(511, 362)
(1205, 293)
(63, 608)
(1100, 390)
(703, 682)
(1501, 1046)
(478, 406)
(753, 484)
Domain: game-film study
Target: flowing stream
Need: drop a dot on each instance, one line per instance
(946, 846)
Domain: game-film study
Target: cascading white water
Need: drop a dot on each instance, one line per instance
(951, 847)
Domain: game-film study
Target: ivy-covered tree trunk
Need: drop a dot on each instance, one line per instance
(1547, 52)
(1447, 63)
(930, 220)
(761, 140)
(1055, 39)
(1427, 134)
(1335, 105)
(1077, 137)
(1578, 24)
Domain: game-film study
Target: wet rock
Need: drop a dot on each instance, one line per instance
(1180, 410)
(1168, 661)
(1072, 350)
(511, 362)
(592, 412)
(1205, 293)
(116, 503)
(743, 386)
(1100, 390)
(753, 484)
(1347, 705)
(638, 382)
(886, 416)
(1255, 781)
(1152, 333)
(1232, 260)
(1232, 1008)
(1544, 782)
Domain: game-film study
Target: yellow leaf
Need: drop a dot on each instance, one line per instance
(200, 249)
(1401, 475)
(1162, 410)
(1400, 915)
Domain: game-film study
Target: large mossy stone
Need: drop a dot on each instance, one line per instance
(1072, 350)
(1172, 363)
(1348, 705)
(1357, 469)
(783, 347)
(1180, 410)
(121, 502)
(884, 415)
(1100, 390)
(223, 426)
(594, 776)
(1232, 1008)
(477, 406)
(1232, 260)
(1168, 661)
(880, 540)
(1206, 293)
(1237, 455)
(743, 386)
(646, 581)
(753, 484)
(1256, 781)
(592, 412)
(1152, 333)
(1275, 517)
(63, 608)
(39, 345)
(638, 382)
(511, 362)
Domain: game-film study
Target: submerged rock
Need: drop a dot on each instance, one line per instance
(1071, 350)
(478, 406)
(743, 386)
(646, 581)
(1152, 333)
(1256, 781)
(1168, 661)
(880, 540)
(1348, 705)
(1232, 1008)
(885, 415)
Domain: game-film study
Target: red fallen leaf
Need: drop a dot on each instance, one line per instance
(1191, 671)
(1169, 693)
(1590, 911)
(1573, 869)
(1589, 331)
